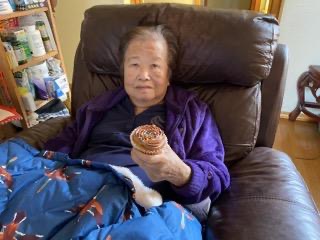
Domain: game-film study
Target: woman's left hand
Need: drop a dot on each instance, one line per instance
(164, 166)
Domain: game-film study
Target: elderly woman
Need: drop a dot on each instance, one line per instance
(190, 169)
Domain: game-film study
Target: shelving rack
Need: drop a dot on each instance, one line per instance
(8, 72)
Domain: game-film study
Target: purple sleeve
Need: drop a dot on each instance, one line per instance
(209, 176)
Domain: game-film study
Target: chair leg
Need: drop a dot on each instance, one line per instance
(302, 82)
(295, 113)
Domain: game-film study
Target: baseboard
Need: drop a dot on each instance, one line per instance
(302, 117)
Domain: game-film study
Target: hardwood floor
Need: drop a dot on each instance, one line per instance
(301, 141)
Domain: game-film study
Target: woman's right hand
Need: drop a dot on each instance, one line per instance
(166, 166)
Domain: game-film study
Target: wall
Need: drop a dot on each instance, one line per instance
(297, 15)
(299, 29)
(170, 1)
(69, 15)
(238, 4)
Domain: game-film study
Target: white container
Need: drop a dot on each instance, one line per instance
(10, 55)
(41, 70)
(28, 102)
(35, 41)
(5, 7)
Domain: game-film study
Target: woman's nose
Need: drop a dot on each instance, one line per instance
(144, 74)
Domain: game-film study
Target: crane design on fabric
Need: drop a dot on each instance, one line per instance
(57, 174)
(86, 163)
(48, 154)
(51, 154)
(6, 178)
(184, 214)
(10, 231)
(127, 214)
(93, 207)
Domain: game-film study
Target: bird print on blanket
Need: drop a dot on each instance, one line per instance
(87, 198)
(48, 154)
(93, 207)
(6, 177)
(10, 231)
(86, 163)
(127, 214)
(57, 174)
(184, 213)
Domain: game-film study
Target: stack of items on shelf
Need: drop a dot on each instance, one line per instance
(9, 6)
(44, 81)
(25, 38)
(54, 108)
(22, 5)
(23, 41)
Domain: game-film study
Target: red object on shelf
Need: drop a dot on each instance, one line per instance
(9, 23)
(8, 114)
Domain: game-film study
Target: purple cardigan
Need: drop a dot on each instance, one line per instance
(190, 129)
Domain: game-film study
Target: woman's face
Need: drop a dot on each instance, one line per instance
(146, 75)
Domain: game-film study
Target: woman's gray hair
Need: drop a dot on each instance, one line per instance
(160, 31)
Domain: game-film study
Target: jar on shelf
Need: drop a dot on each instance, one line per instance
(19, 52)
(21, 36)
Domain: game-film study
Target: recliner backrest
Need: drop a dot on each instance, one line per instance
(224, 56)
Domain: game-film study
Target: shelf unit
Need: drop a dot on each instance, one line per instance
(34, 61)
(8, 72)
(23, 13)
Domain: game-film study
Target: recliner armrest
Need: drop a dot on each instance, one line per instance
(42, 132)
(268, 199)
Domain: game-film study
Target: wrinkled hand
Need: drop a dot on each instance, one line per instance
(164, 166)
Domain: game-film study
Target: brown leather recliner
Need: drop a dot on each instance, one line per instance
(231, 59)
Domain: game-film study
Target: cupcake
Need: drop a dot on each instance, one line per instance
(148, 139)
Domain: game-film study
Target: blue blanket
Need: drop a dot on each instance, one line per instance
(46, 195)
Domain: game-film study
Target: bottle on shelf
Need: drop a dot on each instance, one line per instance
(35, 41)
(21, 36)
(27, 99)
(13, 5)
(5, 7)
(44, 35)
(22, 80)
(22, 5)
(19, 52)
(11, 57)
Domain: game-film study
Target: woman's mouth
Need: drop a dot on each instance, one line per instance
(143, 87)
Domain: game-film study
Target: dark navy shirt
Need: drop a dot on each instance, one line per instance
(110, 139)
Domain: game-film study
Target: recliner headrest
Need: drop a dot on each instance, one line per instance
(216, 46)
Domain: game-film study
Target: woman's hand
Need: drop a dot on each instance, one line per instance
(164, 166)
